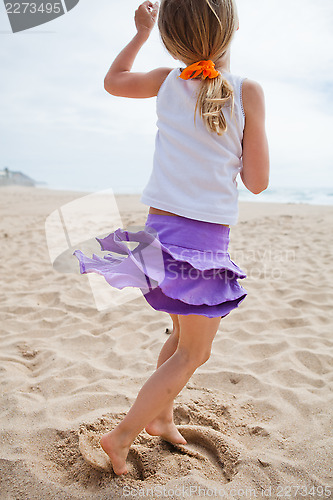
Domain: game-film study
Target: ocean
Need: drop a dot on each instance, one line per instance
(312, 196)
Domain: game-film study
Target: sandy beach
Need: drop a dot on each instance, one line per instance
(257, 415)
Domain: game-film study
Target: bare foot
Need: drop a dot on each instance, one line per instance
(167, 431)
(117, 452)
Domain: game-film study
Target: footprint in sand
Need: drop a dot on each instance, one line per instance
(92, 451)
(211, 448)
(140, 462)
(206, 448)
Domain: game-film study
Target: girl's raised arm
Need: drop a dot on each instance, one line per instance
(120, 81)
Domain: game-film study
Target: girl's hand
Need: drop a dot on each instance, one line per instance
(145, 17)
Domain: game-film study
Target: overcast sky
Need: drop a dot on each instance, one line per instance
(59, 125)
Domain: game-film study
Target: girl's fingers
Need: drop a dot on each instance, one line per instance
(155, 7)
(150, 5)
(147, 4)
(154, 10)
(146, 15)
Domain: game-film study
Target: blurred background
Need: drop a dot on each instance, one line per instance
(59, 126)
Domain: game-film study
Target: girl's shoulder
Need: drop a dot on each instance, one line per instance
(159, 75)
(252, 94)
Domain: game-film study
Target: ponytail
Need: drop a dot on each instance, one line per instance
(201, 30)
(213, 95)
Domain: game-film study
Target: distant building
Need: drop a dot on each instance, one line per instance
(9, 178)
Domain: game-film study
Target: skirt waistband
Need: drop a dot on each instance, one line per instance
(190, 233)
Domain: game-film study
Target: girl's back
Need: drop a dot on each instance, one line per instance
(194, 171)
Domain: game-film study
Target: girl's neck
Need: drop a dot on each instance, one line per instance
(221, 64)
(224, 62)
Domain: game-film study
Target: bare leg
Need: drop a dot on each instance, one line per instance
(163, 425)
(194, 346)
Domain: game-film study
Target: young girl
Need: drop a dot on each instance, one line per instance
(211, 126)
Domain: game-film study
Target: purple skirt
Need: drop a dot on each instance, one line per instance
(181, 265)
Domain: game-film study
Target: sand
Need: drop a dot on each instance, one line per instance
(257, 415)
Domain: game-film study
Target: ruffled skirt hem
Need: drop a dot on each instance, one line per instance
(172, 265)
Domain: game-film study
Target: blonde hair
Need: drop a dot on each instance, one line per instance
(195, 30)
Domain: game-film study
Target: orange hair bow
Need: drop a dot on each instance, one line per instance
(205, 68)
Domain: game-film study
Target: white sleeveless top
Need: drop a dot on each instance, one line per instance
(194, 170)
